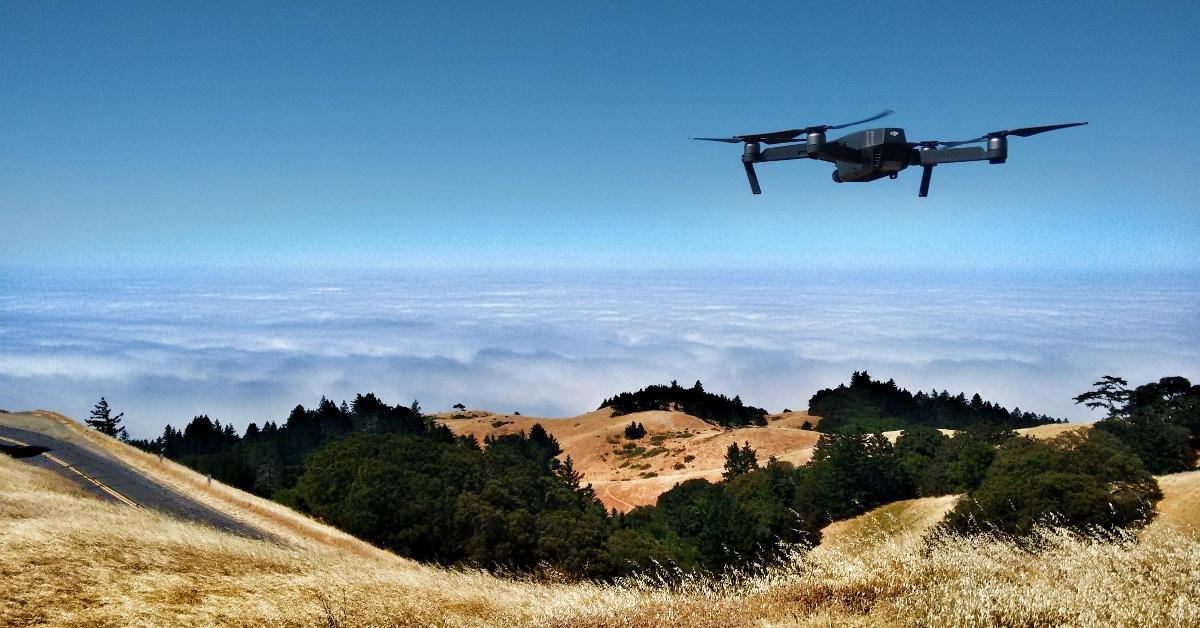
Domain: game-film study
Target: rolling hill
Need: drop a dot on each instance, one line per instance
(627, 473)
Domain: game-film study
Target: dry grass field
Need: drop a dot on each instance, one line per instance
(71, 560)
(903, 522)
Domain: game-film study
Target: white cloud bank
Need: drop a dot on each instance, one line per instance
(249, 346)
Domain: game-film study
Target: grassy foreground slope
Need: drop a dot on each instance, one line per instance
(68, 559)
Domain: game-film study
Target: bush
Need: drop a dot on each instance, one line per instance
(634, 431)
(1077, 480)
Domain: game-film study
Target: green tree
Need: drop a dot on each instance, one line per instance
(1159, 421)
(103, 421)
(739, 461)
(916, 449)
(1111, 394)
(850, 474)
(1078, 480)
(960, 464)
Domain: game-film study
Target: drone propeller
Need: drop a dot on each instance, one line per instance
(791, 135)
(822, 128)
(1021, 132)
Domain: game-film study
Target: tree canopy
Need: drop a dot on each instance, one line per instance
(1081, 480)
(716, 409)
(867, 405)
(1159, 421)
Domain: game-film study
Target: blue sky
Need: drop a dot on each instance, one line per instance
(554, 134)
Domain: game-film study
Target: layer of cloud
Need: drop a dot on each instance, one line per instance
(250, 346)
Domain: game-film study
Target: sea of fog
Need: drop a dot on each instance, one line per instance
(165, 345)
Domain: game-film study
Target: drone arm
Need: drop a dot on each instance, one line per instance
(781, 153)
(952, 155)
(825, 152)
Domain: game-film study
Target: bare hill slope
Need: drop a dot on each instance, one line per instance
(676, 447)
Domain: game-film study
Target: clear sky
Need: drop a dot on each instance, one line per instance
(555, 134)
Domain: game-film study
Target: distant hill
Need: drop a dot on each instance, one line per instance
(867, 405)
(695, 401)
(677, 447)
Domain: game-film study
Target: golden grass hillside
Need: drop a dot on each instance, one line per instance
(677, 447)
(904, 522)
(71, 560)
(264, 514)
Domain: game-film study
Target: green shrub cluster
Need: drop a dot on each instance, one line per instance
(1080, 480)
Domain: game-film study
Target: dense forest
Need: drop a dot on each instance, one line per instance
(716, 409)
(396, 478)
(269, 458)
(867, 405)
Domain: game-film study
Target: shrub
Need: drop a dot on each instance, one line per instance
(1078, 480)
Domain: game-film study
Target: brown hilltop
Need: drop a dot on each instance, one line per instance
(677, 447)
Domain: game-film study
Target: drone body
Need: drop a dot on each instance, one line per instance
(874, 153)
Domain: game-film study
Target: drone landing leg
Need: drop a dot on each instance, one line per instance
(926, 175)
(753, 178)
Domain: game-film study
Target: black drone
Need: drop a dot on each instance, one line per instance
(874, 153)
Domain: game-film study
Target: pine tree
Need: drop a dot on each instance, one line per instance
(569, 475)
(739, 461)
(104, 422)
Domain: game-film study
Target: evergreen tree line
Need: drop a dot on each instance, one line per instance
(867, 405)
(716, 409)
(270, 458)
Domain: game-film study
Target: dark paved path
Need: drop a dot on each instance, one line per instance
(127, 482)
